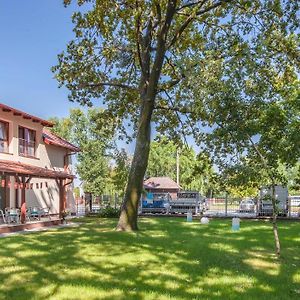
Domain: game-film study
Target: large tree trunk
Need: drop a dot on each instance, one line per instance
(129, 209)
(274, 222)
(148, 91)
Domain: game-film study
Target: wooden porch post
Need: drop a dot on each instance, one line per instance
(23, 200)
(7, 191)
(17, 180)
(62, 198)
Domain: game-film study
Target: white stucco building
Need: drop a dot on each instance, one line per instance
(35, 165)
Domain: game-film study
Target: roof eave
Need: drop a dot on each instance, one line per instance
(20, 113)
(49, 142)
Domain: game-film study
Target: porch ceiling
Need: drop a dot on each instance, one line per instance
(17, 168)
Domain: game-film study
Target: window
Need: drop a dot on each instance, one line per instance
(3, 136)
(26, 142)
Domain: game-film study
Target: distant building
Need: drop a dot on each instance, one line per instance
(162, 185)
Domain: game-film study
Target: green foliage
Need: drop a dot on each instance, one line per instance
(116, 44)
(255, 142)
(63, 127)
(101, 166)
(162, 158)
(109, 212)
(93, 162)
(196, 171)
(93, 167)
(291, 176)
(76, 191)
(120, 171)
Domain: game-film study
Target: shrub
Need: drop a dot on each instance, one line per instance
(109, 212)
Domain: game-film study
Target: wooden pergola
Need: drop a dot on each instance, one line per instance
(23, 173)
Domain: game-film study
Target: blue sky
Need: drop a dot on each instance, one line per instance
(32, 33)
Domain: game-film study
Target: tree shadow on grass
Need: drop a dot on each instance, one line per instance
(167, 259)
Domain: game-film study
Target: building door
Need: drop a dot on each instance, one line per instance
(4, 194)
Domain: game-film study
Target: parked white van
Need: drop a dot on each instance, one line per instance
(294, 200)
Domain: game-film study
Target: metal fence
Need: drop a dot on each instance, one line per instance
(219, 207)
(95, 204)
(248, 208)
(226, 207)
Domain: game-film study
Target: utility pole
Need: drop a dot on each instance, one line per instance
(177, 166)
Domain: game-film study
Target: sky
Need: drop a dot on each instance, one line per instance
(32, 33)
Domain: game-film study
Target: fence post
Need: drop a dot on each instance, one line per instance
(257, 208)
(226, 203)
(289, 206)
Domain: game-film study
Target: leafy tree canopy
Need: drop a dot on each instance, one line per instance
(93, 162)
(221, 38)
(144, 58)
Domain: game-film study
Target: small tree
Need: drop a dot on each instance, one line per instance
(93, 161)
(252, 138)
(121, 170)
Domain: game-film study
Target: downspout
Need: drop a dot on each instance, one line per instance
(65, 159)
(68, 183)
(62, 194)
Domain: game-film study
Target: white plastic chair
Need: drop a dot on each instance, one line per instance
(45, 212)
(2, 215)
(12, 215)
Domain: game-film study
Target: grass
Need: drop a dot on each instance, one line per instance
(167, 259)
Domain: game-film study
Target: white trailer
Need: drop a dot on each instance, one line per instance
(265, 206)
(187, 201)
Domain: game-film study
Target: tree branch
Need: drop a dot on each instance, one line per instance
(113, 84)
(158, 10)
(182, 110)
(192, 16)
(217, 4)
(161, 50)
(138, 38)
(190, 5)
(169, 85)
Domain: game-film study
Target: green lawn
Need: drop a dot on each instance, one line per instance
(167, 259)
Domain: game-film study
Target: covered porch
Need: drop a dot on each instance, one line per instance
(19, 214)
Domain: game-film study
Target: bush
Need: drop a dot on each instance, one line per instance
(109, 212)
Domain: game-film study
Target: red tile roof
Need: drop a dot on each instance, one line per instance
(26, 116)
(53, 139)
(49, 137)
(160, 183)
(13, 168)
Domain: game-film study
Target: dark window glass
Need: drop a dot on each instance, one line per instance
(3, 136)
(26, 141)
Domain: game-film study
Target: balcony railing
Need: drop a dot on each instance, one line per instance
(26, 148)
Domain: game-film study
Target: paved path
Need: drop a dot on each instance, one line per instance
(27, 231)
